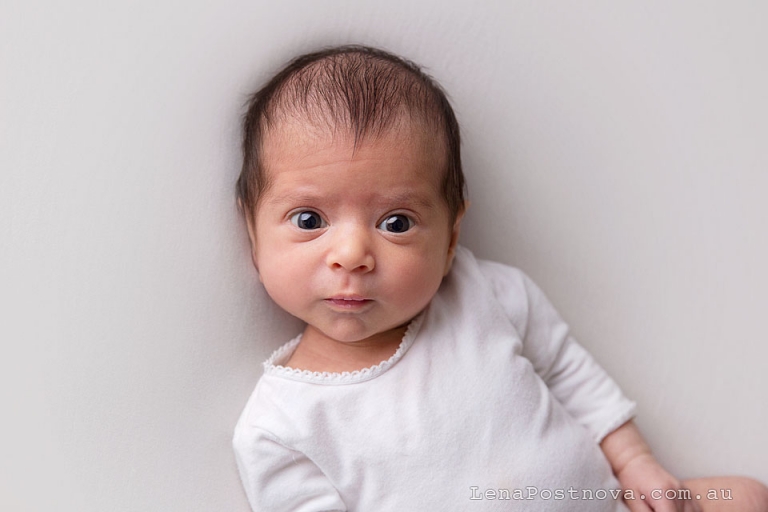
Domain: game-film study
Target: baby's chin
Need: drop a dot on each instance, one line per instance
(358, 335)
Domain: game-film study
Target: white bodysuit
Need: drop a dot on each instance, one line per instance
(488, 404)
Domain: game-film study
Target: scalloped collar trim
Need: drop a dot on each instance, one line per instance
(272, 365)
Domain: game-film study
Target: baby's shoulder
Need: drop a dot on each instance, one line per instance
(502, 276)
(508, 285)
(505, 280)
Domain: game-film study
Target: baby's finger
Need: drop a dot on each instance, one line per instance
(692, 505)
(665, 505)
(638, 505)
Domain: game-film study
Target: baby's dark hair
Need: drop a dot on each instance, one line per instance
(364, 90)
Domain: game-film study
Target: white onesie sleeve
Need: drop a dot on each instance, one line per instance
(278, 479)
(573, 377)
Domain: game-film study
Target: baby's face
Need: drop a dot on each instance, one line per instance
(355, 243)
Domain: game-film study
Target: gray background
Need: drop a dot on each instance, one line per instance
(616, 151)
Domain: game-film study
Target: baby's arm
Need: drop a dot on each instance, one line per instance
(571, 374)
(277, 478)
(637, 469)
(585, 390)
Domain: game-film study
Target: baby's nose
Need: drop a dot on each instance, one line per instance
(352, 250)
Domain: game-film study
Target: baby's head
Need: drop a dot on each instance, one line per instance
(352, 189)
(356, 92)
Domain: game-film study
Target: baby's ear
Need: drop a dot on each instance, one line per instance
(251, 225)
(455, 231)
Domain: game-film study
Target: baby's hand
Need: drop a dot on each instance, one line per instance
(653, 487)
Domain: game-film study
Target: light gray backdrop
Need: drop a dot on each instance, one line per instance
(616, 151)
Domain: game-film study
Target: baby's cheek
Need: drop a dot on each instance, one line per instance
(419, 283)
(279, 284)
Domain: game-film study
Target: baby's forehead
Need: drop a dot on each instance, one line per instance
(303, 160)
(295, 138)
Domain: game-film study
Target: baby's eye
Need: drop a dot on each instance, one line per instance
(396, 224)
(307, 220)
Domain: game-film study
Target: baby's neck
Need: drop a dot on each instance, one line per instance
(317, 352)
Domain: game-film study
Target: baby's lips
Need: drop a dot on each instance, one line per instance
(348, 302)
(349, 297)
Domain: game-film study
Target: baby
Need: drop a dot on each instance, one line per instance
(425, 379)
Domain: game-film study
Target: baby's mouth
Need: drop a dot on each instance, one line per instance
(348, 301)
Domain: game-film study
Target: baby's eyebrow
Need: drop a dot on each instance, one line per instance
(408, 198)
(295, 198)
(299, 196)
(385, 200)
